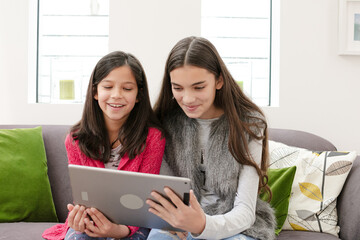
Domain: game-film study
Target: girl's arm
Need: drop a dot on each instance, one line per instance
(242, 216)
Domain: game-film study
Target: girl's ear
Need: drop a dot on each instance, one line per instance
(95, 93)
(219, 83)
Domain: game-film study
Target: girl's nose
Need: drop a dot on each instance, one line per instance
(116, 93)
(188, 98)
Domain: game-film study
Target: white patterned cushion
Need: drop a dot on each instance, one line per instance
(318, 181)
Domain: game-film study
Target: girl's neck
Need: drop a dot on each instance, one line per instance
(113, 133)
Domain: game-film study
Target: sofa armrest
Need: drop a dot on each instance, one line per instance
(348, 204)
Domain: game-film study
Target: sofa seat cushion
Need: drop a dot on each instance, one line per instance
(303, 235)
(23, 230)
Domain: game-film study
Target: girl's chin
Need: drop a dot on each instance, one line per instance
(192, 114)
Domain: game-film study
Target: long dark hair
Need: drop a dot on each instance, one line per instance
(91, 131)
(245, 118)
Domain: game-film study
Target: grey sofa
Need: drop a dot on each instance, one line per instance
(54, 135)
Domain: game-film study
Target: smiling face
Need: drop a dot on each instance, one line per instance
(117, 95)
(194, 89)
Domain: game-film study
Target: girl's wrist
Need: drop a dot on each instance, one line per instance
(122, 232)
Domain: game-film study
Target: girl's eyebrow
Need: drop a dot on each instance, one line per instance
(130, 83)
(106, 80)
(194, 84)
(109, 80)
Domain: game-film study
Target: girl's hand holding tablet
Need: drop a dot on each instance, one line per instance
(189, 218)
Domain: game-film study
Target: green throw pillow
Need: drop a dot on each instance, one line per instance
(280, 183)
(25, 193)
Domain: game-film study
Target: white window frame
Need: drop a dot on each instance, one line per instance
(33, 58)
(273, 74)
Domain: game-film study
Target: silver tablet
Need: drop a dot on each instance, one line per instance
(121, 195)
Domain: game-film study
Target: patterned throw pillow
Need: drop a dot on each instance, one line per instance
(318, 181)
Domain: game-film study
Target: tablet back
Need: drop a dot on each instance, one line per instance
(121, 195)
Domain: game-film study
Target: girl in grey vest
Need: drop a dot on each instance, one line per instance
(217, 137)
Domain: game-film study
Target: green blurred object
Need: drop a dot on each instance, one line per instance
(67, 90)
(25, 192)
(280, 183)
(241, 84)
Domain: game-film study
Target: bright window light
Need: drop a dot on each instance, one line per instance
(72, 37)
(241, 32)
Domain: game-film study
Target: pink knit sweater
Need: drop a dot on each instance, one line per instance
(149, 161)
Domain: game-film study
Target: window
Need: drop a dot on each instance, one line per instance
(241, 32)
(72, 37)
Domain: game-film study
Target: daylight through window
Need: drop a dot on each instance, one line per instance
(70, 42)
(240, 30)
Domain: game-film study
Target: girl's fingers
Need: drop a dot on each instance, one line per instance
(89, 226)
(82, 222)
(75, 218)
(72, 215)
(96, 216)
(182, 235)
(70, 207)
(194, 203)
(163, 201)
(78, 215)
(155, 208)
(173, 197)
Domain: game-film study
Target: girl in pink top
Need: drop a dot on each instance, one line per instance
(118, 130)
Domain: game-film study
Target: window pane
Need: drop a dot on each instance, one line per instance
(240, 30)
(73, 36)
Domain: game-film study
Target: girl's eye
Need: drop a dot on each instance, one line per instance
(107, 87)
(176, 88)
(127, 89)
(199, 88)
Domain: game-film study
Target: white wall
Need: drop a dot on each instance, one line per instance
(149, 29)
(319, 90)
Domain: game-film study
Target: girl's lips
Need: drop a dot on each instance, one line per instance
(115, 105)
(191, 108)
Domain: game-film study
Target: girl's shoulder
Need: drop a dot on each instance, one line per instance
(70, 141)
(154, 133)
(69, 138)
(155, 139)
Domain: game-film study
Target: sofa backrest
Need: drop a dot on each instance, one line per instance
(300, 139)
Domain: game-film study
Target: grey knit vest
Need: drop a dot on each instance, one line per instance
(183, 154)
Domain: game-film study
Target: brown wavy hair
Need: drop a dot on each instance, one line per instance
(91, 131)
(246, 120)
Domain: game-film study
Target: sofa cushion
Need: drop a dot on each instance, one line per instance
(280, 183)
(23, 230)
(301, 235)
(25, 193)
(319, 179)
